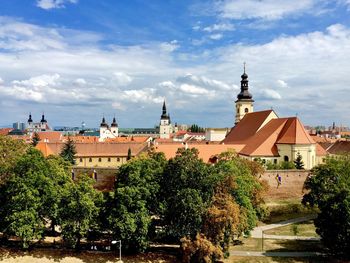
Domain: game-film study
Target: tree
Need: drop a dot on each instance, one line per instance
(35, 139)
(298, 162)
(196, 128)
(29, 197)
(129, 155)
(10, 151)
(136, 200)
(68, 151)
(78, 210)
(328, 189)
(186, 188)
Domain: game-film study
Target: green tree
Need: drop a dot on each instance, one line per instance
(328, 189)
(10, 151)
(129, 155)
(35, 139)
(298, 162)
(78, 210)
(187, 185)
(28, 197)
(136, 200)
(287, 165)
(69, 151)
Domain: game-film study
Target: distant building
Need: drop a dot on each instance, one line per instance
(37, 126)
(19, 126)
(108, 132)
(166, 129)
(216, 134)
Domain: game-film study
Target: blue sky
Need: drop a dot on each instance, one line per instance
(79, 59)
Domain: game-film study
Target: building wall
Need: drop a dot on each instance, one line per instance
(240, 109)
(214, 135)
(307, 152)
(107, 133)
(102, 162)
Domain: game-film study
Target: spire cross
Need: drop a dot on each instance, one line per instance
(244, 66)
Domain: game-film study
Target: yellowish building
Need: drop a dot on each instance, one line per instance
(101, 155)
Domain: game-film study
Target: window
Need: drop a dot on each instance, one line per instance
(118, 159)
(275, 161)
(90, 160)
(237, 110)
(246, 110)
(109, 159)
(99, 159)
(286, 158)
(81, 160)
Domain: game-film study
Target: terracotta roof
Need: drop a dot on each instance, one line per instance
(318, 139)
(50, 136)
(95, 149)
(129, 139)
(206, 151)
(320, 151)
(339, 147)
(5, 131)
(247, 127)
(86, 139)
(294, 133)
(263, 143)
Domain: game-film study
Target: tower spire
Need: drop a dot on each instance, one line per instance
(30, 117)
(164, 115)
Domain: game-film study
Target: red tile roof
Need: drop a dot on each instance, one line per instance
(294, 133)
(5, 131)
(247, 127)
(263, 143)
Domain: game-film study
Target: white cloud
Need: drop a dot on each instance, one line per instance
(219, 27)
(263, 9)
(122, 79)
(51, 4)
(187, 88)
(202, 81)
(282, 83)
(216, 36)
(80, 81)
(169, 46)
(270, 94)
(1, 81)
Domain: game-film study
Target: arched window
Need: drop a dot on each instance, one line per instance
(286, 158)
(246, 110)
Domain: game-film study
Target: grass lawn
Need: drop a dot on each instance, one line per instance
(285, 209)
(306, 228)
(274, 245)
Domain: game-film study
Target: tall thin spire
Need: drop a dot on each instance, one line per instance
(244, 66)
(164, 115)
(103, 123)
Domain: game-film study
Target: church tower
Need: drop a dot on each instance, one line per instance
(165, 125)
(114, 127)
(244, 102)
(103, 129)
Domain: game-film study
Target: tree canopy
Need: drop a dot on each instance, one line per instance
(328, 188)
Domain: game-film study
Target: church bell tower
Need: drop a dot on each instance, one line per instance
(244, 102)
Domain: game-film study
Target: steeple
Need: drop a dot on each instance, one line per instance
(30, 118)
(244, 94)
(244, 102)
(103, 123)
(43, 118)
(114, 123)
(164, 115)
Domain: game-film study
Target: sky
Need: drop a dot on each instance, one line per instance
(79, 60)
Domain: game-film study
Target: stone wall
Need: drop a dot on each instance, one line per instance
(291, 186)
